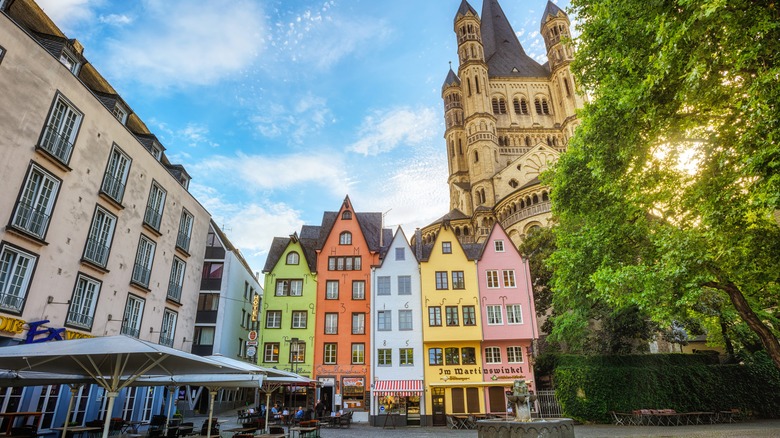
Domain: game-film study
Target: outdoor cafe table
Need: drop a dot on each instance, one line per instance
(79, 429)
(302, 431)
(14, 416)
(271, 435)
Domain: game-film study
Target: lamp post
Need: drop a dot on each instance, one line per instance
(295, 355)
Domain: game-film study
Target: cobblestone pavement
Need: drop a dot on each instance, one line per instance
(748, 429)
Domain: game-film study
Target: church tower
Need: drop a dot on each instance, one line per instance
(507, 118)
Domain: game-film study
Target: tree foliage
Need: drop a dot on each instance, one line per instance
(665, 199)
(537, 247)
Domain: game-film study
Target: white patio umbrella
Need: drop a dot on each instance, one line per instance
(275, 379)
(113, 362)
(214, 382)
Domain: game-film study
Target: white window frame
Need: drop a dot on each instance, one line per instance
(70, 61)
(36, 202)
(332, 290)
(400, 253)
(494, 314)
(134, 311)
(384, 320)
(512, 353)
(289, 287)
(81, 312)
(16, 268)
(185, 230)
(404, 285)
(498, 245)
(300, 319)
(330, 351)
(358, 354)
(115, 177)
(358, 290)
(331, 323)
(384, 357)
(62, 126)
(358, 323)
(273, 319)
(155, 206)
(405, 320)
(383, 286)
(120, 113)
(176, 282)
(100, 238)
(492, 279)
(293, 258)
(270, 354)
(144, 258)
(345, 238)
(492, 354)
(508, 276)
(168, 327)
(406, 357)
(514, 314)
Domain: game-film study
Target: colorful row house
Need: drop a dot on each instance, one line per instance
(399, 333)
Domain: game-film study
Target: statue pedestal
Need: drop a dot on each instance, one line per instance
(547, 428)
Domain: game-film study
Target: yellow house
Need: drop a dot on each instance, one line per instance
(451, 327)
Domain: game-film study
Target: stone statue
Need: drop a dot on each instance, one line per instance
(520, 400)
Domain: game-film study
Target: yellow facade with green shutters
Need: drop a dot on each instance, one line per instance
(452, 325)
(288, 312)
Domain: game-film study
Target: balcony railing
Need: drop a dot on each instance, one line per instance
(164, 340)
(152, 218)
(183, 241)
(56, 144)
(533, 210)
(141, 275)
(96, 252)
(130, 331)
(80, 320)
(113, 187)
(11, 302)
(174, 291)
(31, 220)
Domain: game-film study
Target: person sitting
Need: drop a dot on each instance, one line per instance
(299, 413)
(275, 412)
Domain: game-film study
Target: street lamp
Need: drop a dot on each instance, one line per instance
(295, 357)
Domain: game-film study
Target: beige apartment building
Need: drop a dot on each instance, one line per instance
(100, 235)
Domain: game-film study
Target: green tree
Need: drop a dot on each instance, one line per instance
(537, 247)
(666, 196)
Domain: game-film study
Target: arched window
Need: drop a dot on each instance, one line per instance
(516, 104)
(528, 141)
(293, 258)
(538, 106)
(346, 215)
(476, 83)
(345, 238)
(545, 107)
(495, 105)
(501, 106)
(476, 156)
(545, 197)
(468, 85)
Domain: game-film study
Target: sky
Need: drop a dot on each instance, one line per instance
(278, 109)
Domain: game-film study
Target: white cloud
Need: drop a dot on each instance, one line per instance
(196, 134)
(179, 44)
(116, 19)
(257, 172)
(309, 114)
(250, 226)
(66, 14)
(384, 131)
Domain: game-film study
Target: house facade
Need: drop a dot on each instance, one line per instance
(397, 358)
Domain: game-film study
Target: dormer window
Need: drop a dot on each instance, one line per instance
(156, 151)
(69, 61)
(120, 113)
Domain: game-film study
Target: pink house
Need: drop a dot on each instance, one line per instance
(508, 315)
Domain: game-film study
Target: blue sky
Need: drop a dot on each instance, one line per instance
(280, 108)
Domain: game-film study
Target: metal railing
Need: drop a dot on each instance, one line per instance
(164, 340)
(130, 331)
(152, 218)
(547, 405)
(96, 252)
(141, 274)
(113, 187)
(79, 319)
(183, 241)
(11, 302)
(542, 207)
(56, 144)
(174, 291)
(31, 220)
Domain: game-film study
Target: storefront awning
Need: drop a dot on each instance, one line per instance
(401, 388)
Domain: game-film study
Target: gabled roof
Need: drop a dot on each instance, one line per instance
(278, 246)
(503, 52)
(498, 229)
(451, 80)
(399, 234)
(464, 9)
(370, 225)
(230, 247)
(473, 251)
(552, 10)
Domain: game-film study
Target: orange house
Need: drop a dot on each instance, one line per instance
(349, 245)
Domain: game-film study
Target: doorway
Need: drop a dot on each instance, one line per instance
(438, 401)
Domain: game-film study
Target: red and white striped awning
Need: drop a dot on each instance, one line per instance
(401, 388)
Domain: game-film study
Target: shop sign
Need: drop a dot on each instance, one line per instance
(255, 307)
(11, 325)
(353, 381)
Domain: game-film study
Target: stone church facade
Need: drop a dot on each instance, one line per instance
(507, 118)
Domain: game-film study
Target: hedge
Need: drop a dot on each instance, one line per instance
(589, 387)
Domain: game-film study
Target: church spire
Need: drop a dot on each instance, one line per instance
(503, 51)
